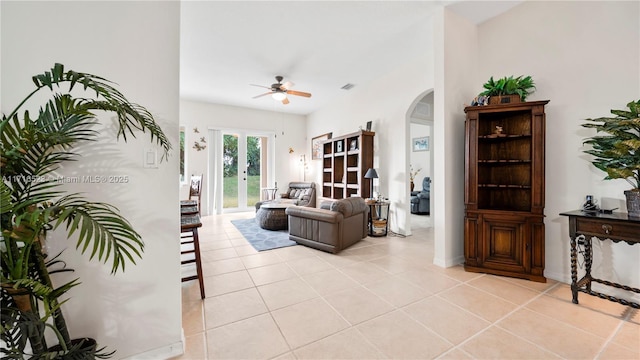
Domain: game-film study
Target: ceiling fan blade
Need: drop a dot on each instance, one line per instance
(261, 95)
(299, 93)
(266, 87)
(285, 101)
(287, 85)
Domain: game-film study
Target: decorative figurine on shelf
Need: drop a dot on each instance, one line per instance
(480, 100)
(498, 129)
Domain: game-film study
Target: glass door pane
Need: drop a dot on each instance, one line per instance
(230, 174)
(254, 168)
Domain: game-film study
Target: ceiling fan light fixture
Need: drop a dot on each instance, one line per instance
(279, 96)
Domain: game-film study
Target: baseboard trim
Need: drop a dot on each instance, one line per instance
(444, 263)
(164, 352)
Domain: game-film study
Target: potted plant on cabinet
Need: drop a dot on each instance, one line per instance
(32, 203)
(508, 89)
(618, 152)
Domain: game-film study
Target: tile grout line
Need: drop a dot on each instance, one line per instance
(495, 323)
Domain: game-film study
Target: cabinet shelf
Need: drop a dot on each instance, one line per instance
(503, 136)
(504, 186)
(504, 161)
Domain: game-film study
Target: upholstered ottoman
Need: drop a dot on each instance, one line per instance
(272, 216)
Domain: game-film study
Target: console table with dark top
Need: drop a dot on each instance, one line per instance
(583, 226)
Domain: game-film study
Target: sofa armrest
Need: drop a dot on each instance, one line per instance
(424, 195)
(415, 193)
(314, 214)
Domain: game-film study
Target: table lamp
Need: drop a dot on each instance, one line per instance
(371, 174)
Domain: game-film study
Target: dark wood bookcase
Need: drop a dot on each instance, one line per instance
(345, 160)
(504, 189)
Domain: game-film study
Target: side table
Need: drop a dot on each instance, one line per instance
(378, 218)
(583, 226)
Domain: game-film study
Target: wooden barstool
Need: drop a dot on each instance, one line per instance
(189, 225)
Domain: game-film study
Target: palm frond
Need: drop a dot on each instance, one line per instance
(101, 230)
(131, 116)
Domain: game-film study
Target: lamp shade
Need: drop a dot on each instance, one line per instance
(371, 174)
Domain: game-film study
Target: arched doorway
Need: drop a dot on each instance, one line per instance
(420, 139)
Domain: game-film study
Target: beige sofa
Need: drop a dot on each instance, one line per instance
(333, 227)
(299, 193)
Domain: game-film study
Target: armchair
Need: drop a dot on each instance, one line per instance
(420, 200)
(331, 228)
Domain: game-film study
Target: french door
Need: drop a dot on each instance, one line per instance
(245, 164)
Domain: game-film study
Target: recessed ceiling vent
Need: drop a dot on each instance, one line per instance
(347, 86)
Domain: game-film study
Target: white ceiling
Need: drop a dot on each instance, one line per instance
(318, 45)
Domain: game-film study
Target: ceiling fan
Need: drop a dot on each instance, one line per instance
(279, 91)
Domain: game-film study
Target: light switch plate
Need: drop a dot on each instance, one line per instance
(150, 159)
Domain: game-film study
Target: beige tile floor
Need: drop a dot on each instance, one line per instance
(383, 299)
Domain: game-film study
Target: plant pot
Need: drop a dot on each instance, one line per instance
(83, 348)
(504, 99)
(633, 202)
(20, 296)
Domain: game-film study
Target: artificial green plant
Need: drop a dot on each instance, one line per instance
(32, 149)
(617, 151)
(521, 85)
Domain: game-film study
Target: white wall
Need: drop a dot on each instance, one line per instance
(136, 45)
(455, 58)
(289, 130)
(584, 57)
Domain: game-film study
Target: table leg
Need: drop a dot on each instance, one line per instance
(196, 245)
(574, 269)
(588, 260)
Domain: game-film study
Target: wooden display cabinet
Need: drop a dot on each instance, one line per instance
(345, 160)
(504, 190)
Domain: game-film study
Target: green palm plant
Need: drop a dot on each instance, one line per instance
(618, 152)
(521, 85)
(32, 149)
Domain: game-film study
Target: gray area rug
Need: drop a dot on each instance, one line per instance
(262, 239)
